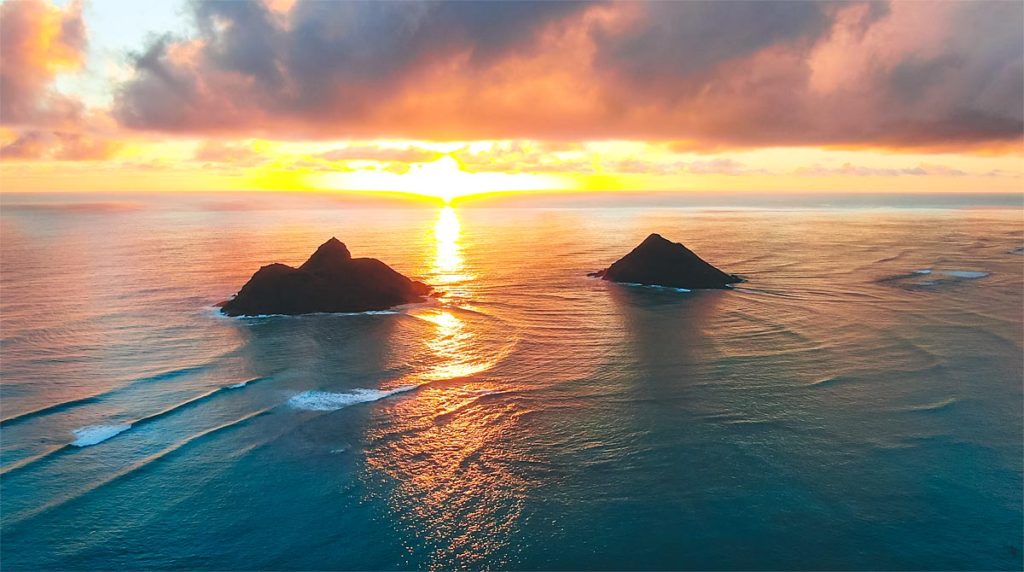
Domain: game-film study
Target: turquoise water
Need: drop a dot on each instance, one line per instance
(856, 404)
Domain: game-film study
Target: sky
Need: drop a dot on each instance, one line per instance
(451, 99)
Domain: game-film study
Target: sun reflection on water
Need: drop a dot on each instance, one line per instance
(456, 486)
(453, 346)
(448, 270)
(448, 260)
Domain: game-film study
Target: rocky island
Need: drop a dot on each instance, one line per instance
(330, 281)
(660, 262)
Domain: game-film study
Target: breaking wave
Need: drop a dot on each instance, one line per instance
(330, 401)
(94, 434)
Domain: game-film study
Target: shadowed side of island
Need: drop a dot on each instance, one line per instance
(330, 281)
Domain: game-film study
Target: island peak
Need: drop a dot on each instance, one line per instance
(658, 261)
(329, 281)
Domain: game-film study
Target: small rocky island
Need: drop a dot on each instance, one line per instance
(330, 281)
(660, 262)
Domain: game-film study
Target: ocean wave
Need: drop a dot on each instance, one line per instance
(139, 465)
(31, 460)
(830, 380)
(929, 407)
(654, 287)
(58, 407)
(472, 398)
(192, 401)
(49, 409)
(242, 384)
(329, 401)
(966, 274)
(94, 434)
(914, 278)
(215, 312)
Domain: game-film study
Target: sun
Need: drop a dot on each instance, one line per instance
(444, 179)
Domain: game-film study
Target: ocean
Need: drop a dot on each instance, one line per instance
(855, 404)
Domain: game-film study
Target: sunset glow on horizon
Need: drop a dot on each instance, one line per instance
(449, 100)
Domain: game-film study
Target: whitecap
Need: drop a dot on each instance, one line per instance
(244, 383)
(923, 271)
(482, 392)
(94, 434)
(331, 401)
(966, 274)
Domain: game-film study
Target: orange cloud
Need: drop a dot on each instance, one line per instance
(38, 41)
(705, 75)
(220, 152)
(58, 146)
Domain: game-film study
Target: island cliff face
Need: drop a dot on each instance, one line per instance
(330, 281)
(660, 262)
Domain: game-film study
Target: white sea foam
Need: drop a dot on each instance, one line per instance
(216, 312)
(330, 401)
(923, 271)
(94, 434)
(238, 385)
(366, 313)
(966, 274)
(655, 286)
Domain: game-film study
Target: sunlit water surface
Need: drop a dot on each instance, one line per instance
(838, 410)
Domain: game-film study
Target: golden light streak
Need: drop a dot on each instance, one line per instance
(448, 261)
(443, 178)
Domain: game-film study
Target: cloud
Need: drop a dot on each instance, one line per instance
(679, 46)
(220, 152)
(720, 166)
(31, 145)
(850, 169)
(717, 166)
(526, 157)
(381, 154)
(58, 146)
(38, 41)
(705, 75)
(322, 68)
